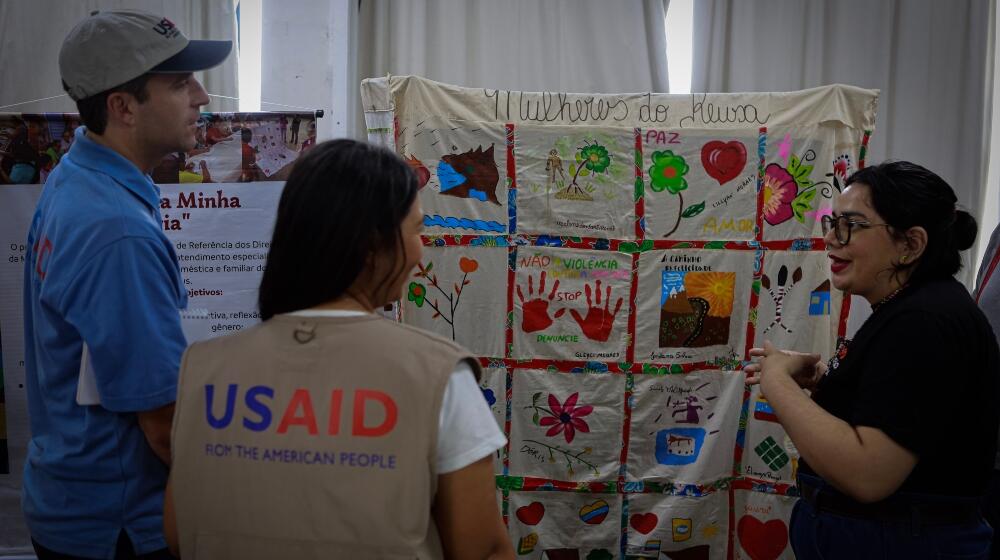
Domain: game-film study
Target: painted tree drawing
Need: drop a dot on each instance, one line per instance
(591, 159)
(417, 291)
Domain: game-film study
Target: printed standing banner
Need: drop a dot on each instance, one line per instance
(611, 259)
(217, 204)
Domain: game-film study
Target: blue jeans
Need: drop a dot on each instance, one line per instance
(819, 535)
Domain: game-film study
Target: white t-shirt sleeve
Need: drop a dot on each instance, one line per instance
(467, 431)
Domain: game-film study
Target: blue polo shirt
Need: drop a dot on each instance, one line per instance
(101, 272)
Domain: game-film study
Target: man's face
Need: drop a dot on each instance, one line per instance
(168, 120)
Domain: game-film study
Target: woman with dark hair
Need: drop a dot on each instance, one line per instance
(327, 431)
(898, 438)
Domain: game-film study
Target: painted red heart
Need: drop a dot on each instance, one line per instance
(723, 161)
(762, 541)
(644, 522)
(531, 514)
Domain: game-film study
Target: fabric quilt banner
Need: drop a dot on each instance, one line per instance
(611, 259)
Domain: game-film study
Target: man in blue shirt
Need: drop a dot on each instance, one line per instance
(102, 291)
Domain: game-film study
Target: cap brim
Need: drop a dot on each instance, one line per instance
(197, 55)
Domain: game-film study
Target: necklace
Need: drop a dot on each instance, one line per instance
(884, 300)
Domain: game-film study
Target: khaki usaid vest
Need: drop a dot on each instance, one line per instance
(262, 469)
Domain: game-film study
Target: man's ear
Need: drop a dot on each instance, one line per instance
(121, 108)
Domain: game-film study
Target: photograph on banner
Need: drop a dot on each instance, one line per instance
(686, 527)
(575, 181)
(692, 305)
(460, 293)
(571, 304)
(797, 307)
(231, 147)
(762, 525)
(804, 168)
(684, 426)
(700, 184)
(32, 145)
(566, 426)
(564, 525)
(240, 148)
(768, 453)
(462, 174)
(493, 384)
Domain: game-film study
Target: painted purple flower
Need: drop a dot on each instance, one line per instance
(566, 417)
(780, 190)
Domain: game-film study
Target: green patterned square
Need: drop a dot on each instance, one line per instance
(769, 451)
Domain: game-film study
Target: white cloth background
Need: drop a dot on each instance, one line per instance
(931, 60)
(31, 34)
(587, 46)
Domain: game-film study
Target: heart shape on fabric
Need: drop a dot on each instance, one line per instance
(644, 522)
(594, 514)
(531, 514)
(723, 161)
(762, 541)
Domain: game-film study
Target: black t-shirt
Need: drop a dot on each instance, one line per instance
(924, 370)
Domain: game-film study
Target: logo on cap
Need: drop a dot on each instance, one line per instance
(166, 28)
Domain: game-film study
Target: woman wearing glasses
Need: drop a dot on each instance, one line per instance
(898, 436)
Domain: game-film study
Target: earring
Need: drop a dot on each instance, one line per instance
(904, 258)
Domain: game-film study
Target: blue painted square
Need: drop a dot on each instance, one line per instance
(819, 303)
(679, 446)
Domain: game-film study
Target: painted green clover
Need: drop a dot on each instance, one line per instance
(667, 172)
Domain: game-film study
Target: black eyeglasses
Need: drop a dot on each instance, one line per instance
(842, 227)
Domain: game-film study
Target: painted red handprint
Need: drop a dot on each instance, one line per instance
(598, 322)
(536, 310)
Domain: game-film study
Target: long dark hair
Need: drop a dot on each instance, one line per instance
(344, 202)
(907, 195)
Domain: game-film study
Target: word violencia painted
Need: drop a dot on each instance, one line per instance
(299, 411)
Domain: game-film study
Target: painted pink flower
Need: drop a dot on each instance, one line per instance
(779, 192)
(566, 417)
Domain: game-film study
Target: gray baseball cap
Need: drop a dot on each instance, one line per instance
(110, 48)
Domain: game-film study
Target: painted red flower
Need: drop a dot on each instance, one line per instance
(566, 417)
(780, 190)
